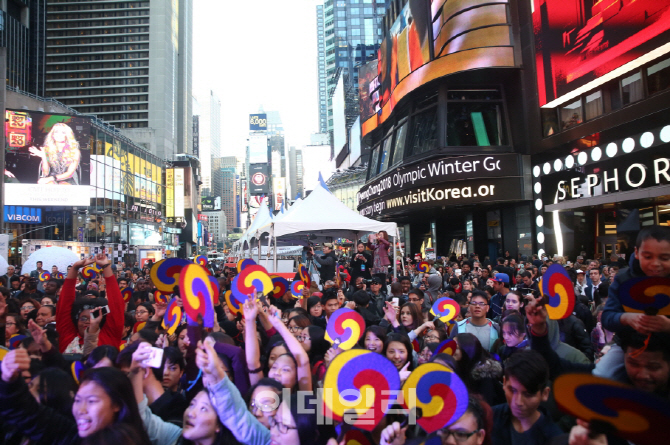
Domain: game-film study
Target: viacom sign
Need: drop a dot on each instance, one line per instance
(258, 122)
(23, 215)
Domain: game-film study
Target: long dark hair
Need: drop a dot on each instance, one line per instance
(319, 343)
(472, 354)
(401, 338)
(378, 332)
(223, 436)
(117, 386)
(99, 353)
(415, 311)
(56, 390)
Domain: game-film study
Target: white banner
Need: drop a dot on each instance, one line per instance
(4, 246)
(47, 195)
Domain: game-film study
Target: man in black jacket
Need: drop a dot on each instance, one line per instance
(327, 261)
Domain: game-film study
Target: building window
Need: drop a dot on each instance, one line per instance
(571, 114)
(593, 105)
(385, 153)
(549, 121)
(374, 161)
(399, 149)
(631, 87)
(475, 118)
(658, 76)
(424, 132)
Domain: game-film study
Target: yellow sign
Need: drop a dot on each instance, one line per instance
(169, 192)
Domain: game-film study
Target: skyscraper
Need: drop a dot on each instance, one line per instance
(295, 172)
(321, 70)
(100, 61)
(23, 34)
(229, 190)
(209, 111)
(353, 33)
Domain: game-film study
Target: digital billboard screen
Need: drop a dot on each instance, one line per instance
(427, 42)
(579, 41)
(259, 179)
(258, 149)
(258, 122)
(44, 153)
(211, 203)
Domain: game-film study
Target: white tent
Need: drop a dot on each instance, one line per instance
(321, 216)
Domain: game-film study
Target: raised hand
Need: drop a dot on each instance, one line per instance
(393, 435)
(210, 364)
(250, 309)
(38, 334)
(15, 362)
(404, 373)
(101, 259)
(142, 353)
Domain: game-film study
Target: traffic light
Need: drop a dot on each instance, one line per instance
(56, 230)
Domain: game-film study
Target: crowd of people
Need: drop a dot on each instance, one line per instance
(80, 365)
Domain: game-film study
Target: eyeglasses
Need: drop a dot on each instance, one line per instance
(84, 319)
(294, 328)
(27, 308)
(460, 436)
(141, 312)
(10, 323)
(264, 407)
(303, 338)
(413, 300)
(280, 426)
(478, 303)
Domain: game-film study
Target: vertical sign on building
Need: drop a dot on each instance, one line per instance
(243, 193)
(179, 193)
(196, 136)
(279, 191)
(169, 194)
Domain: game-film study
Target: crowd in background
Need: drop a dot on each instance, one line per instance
(77, 370)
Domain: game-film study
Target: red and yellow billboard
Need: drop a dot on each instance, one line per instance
(578, 41)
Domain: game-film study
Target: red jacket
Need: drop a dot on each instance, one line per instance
(110, 334)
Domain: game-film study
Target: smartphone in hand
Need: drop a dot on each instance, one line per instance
(155, 360)
(100, 311)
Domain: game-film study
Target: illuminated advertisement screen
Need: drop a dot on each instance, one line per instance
(259, 179)
(45, 153)
(258, 149)
(430, 40)
(258, 122)
(578, 41)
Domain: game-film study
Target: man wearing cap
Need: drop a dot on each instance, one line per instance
(580, 284)
(501, 286)
(327, 261)
(377, 297)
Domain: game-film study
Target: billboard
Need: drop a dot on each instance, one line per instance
(179, 200)
(279, 191)
(258, 149)
(579, 41)
(23, 215)
(44, 153)
(259, 179)
(258, 122)
(243, 192)
(339, 120)
(211, 203)
(426, 43)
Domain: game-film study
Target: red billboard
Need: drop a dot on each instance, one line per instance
(577, 41)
